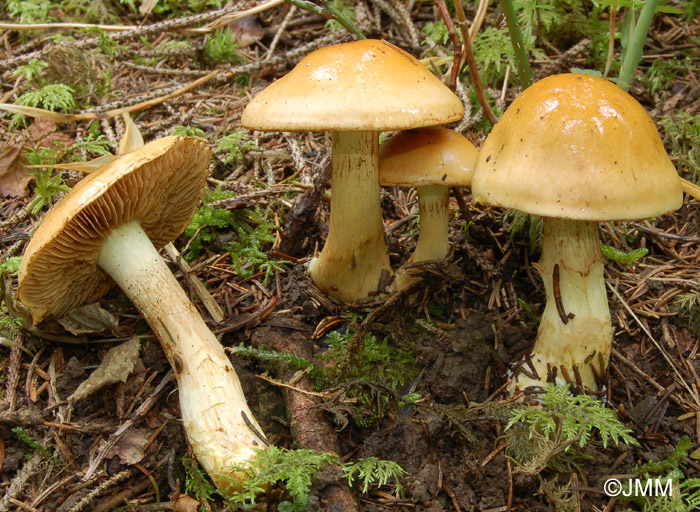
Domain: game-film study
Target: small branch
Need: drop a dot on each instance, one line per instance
(471, 62)
(329, 12)
(454, 39)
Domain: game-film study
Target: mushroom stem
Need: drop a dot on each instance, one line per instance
(211, 398)
(575, 333)
(354, 257)
(433, 239)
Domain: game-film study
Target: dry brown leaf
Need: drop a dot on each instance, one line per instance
(184, 503)
(130, 447)
(247, 31)
(90, 319)
(116, 367)
(41, 127)
(14, 177)
(147, 6)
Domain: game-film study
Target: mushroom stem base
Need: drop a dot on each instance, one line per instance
(211, 398)
(355, 258)
(433, 235)
(574, 339)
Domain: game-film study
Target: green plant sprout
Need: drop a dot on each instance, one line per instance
(436, 31)
(272, 356)
(236, 144)
(618, 256)
(296, 469)
(10, 265)
(221, 47)
(52, 97)
(31, 71)
(551, 435)
(188, 131)
(689, 309)
(382, 370)
(197, 483)
(519, 221)
(346, 10)
(27, 439)
(682, 133)
(36, 11)
(248, 254)
(373, 470)
(686, 492)
(46, 187)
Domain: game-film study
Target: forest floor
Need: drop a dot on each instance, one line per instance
(447, 343)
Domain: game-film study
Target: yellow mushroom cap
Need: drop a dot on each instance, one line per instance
(157, 184)
(427, 156)
(577, 147)
(362, 85)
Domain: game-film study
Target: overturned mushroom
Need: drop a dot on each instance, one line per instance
(108, 229)
(575, 149)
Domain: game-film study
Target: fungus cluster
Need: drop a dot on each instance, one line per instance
(354, 91)
(572, 148)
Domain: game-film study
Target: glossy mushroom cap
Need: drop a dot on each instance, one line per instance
(577, 147)
(157, 184)
(427, 156)
(362, 85)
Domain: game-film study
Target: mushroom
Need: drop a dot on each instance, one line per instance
(432, 160)
(108, 229)
(574, 149)
(354, 90)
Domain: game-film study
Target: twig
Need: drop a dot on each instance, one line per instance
(199, 289)
(471, 62)
(88, 115)
(329, 12)
(214, 18)
(680, 378)
(280, 31)
(454, 39)
(611, 40)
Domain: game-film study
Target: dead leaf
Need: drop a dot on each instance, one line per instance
(130, 447)
(116, 367)
(90, 319)
(147, 6)
(246, 31)
(14, 177)
(184, 503)
(56, 140)
(41, 127)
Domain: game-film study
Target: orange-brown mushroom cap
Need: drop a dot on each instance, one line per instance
(362, 85)
(427, 156)
(157, 185)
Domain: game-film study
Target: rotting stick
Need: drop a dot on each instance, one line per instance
(308, 425)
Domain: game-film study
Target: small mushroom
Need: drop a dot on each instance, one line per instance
(574, 149)
(354, 90)
(432, 160)
(108, 229)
